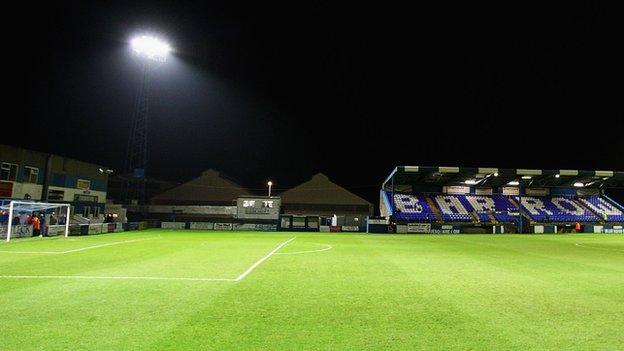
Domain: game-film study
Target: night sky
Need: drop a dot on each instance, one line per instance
(284, 90)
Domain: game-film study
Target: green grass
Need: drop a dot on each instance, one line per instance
(369, 292)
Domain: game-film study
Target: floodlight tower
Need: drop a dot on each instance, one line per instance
(151, 52)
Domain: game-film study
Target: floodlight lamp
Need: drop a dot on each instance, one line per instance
(514, 183)
(579, 185)
(270, 183)
(470, 182)
(496, 174)
(557, 175)
(150, 47)
(526, 177)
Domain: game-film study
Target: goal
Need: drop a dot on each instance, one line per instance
(55, 218)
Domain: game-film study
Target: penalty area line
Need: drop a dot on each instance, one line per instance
(259, 262)
(327, 247)
(97, 277)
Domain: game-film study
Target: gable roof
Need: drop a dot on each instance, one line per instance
(321, 191)
(209, 187)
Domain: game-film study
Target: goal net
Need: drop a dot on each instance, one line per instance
(26, 218)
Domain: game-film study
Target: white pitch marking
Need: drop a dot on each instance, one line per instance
(237, 279)
(75, 250)
(111, 277)
(598, 248)
(253, 266)
(327, 247)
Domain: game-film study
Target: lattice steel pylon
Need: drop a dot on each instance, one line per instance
(136, 154)
(151, 51)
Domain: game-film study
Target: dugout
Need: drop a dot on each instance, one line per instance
(496, 200)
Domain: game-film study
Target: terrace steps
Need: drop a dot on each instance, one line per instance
(589, 209)
(475, 217)
(434, 209)
(492, 218)
(520, 209)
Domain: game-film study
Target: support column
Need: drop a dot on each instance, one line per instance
(10, 222)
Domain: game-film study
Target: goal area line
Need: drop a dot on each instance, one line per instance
(97, 277)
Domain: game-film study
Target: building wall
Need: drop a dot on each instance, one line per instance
(69, 181)
(326, 210)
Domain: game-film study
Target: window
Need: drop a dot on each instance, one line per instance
(8, 171)
(83, 184)
(85, 198)
(56, 195)
(31, 174)
(86, 211)
(96, 211)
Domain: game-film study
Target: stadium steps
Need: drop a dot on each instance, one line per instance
(492, 218)
(587, 208)
(522, 212)
(475, 217)
(434, 209)
(613, 202)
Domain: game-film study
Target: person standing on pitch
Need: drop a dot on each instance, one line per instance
(36, 223)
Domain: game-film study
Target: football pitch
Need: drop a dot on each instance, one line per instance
(192, 290)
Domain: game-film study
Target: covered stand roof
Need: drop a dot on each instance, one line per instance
(208, 189)
(321, 191)
(403, 176)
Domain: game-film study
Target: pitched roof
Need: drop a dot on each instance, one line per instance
(210, 187)
(320, 190)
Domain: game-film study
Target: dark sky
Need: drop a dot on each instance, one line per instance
(285, 90)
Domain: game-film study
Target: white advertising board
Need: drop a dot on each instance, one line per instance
(173, 225)
(202, 225)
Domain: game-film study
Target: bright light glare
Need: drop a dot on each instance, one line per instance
(579, 184)
(526, 177)
(270, 183)
(470, 182)
(150, 47)
(514, 183)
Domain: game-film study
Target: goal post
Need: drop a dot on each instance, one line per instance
(19, 207)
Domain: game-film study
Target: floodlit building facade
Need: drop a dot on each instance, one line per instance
(33, 175)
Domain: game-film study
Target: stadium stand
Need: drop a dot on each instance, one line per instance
(497, 206)
(604, 208)
(413, 208)
(452, 209)
(472, 199)
(555, 209)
